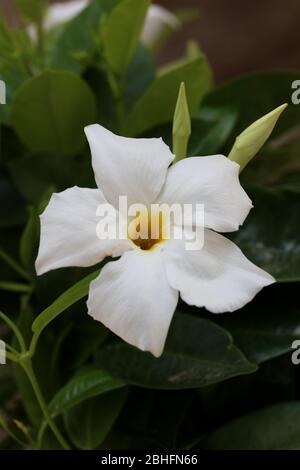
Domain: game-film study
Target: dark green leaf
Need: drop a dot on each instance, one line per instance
(49, 112)
(89, 423)
(84, 385)
(140, 73)
(211, 129)
(197, 353)
(274, 428)
(270, 236)
(267, 327)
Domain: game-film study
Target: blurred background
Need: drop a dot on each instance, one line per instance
(238, 37)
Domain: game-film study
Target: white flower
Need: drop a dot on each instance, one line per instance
(159, 20)
(136, 296)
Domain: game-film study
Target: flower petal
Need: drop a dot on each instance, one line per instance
(132, 298)
(212, 181)
(128, 167)
(218, 277)
(68, 231)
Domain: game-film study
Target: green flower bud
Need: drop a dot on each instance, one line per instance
(181, 125)
(249, 142)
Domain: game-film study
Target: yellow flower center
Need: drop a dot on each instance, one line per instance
(148, 229)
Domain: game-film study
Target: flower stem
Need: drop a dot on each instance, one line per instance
(27, 366)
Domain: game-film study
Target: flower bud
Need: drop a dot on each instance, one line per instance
(181, 125)
(249, 142)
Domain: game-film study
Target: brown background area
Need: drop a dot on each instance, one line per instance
(238, 36)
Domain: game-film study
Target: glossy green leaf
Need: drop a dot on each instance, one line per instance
(267, 326)
(89, 423)
(274, 428)
(156, 106)
(31, 174)
(211, 128)
(64, 301)
(139, 75)
(270, 236)
(89, 337)
(197, 353)
(84, 385)
(121, 33)
(49, 112)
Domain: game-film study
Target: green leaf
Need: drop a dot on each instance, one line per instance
(78, 37)
(270, 236)
(274, 428)
(89, 337)
(64, 301)
(156, 106)
(197, 353)
(33, 173)
(121, 33)
(84, 385)
(267, 327)
(211, 128)
(49, 112)
(89, 423)
(32, 9)
(139, 75)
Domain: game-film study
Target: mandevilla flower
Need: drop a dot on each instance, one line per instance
(136, 296)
